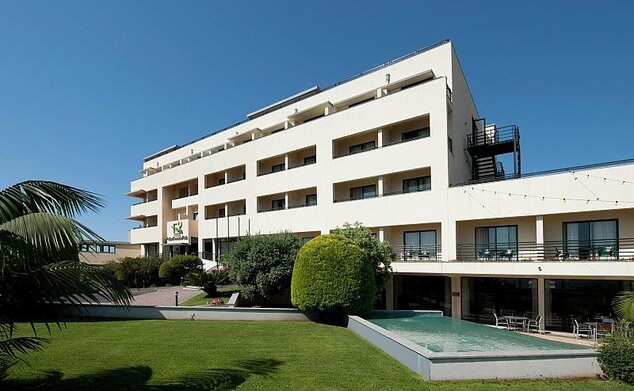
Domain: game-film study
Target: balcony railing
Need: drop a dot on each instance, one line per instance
(422, 253)
(493, 136)
(552, 251)
(386, 194)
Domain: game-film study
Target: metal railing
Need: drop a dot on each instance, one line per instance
(421, 253)
(493, 136)
(386, 194)
(593, 250)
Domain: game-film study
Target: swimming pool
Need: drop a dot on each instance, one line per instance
(444, 334)
(442, 348)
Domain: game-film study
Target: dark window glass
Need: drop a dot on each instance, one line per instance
(221, 181)
(310, 160)
(362, 147)
(417, 184)
(361, 192)
(278, 204)
(414, 134)
(450, 144)
(311, 199)
(277, 167)
(221, 212)
(591, 239)
(419, 245)
(496, 242)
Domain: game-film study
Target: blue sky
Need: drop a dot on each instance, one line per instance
(87, 89)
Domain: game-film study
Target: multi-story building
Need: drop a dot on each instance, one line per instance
(402, 149)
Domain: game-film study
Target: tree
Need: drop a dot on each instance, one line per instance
(379, 254)
(624, 305)
(263, 264)
(39, 239)
(174, 270)
(331, 275)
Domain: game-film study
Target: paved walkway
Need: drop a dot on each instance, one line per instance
(164, 296)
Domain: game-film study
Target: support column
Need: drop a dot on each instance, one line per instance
(226, 177)
(448, 240)
(456, 298)
(286, 200)
(286, 161)
(389, 293)
(539, 237)
(381, 234)
(379, 138)
(541, 301)
(201, 246)
(379, 188)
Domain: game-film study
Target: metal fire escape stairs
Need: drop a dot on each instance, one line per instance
(486, 143)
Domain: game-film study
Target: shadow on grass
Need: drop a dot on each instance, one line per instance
(137, 377)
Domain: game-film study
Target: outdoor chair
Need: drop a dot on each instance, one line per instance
(501, 323)
(561, 255)
(508, 254)
(485, 253)
(535, 325)
(423, 254)
(579, 330)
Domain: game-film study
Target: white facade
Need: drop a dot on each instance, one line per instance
(401, 126)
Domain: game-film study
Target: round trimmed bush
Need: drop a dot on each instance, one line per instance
(331, 275)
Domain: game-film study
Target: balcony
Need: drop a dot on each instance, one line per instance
(411, 181)
(224, 177)
(549, 251)
(422, 253)
(410, 130)
(289, 200)
(294, 159)
(228, 209)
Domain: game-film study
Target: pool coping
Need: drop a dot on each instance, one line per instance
(477, 365)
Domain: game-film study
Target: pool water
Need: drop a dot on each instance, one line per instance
(444, 334)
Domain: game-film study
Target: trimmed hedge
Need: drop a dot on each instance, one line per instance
(331, 275)
(616, 355)
(174, 270)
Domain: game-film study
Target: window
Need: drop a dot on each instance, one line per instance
(362, 147)
(221, 212)
(361, 192)
(221, 181)
(596, 239)
(224, 246)
(450, 144)
(419, 245)
(311, 199)
(414, 134)
(278, 204)
(417, 184)
(310, 160)
(183, 192)
(102, 248)
(195, 215)
(496, 242)
(85, 248)
(151, 250)
(278, 167)
(244, 209)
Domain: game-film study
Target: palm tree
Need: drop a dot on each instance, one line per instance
(624, 305)
(39, 265)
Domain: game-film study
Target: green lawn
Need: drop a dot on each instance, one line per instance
(203, 299)
(214, 355)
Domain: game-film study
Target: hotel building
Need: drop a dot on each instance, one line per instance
(403, 149)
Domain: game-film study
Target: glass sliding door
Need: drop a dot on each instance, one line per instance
(496, 243)
(419, 245)
(591, 239)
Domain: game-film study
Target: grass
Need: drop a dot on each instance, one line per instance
(215, 355)
(202, 298)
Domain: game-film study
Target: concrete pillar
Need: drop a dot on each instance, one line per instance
(541, 300)
(379, 188)
(201, 246)
(286, 200)
(539, 237)
(379, 138)
(329, 110)
(381, 234)
(286, 161)
(287, 124)
(389, 294)
(448, 240)
(456, 298)
(226, 177)
(381, 92)
(213, 250)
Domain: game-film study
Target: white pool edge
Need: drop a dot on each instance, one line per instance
(478, 365)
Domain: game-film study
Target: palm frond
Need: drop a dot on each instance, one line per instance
(46, 196)
(49, 233)
(624, 305)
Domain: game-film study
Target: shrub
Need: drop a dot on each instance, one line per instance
(616, 355)
(331, 275)
(208, 281)
(136, 272)
(379, 254)
(263, 265)
(174, 270)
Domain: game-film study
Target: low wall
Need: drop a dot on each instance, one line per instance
(188, 313)
(478, 365)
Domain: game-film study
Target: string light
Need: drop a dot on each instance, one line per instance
(563, 199)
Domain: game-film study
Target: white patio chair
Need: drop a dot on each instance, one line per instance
(579, 330)
(501, 323)
(535, 325)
